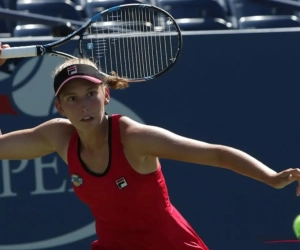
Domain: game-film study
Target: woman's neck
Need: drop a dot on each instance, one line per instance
(95, 140)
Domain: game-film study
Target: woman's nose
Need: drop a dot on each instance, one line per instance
(83, 109)
(84, 106)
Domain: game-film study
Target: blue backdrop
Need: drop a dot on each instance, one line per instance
(237, 89)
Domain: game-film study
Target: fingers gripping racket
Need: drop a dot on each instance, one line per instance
(137, 41)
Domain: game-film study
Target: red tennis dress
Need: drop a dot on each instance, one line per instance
(132, 211)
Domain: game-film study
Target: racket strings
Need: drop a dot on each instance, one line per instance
(134, 42)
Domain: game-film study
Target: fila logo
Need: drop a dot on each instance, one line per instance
(72, 70)
(121, 183)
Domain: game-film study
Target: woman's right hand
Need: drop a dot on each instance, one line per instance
(3, 46)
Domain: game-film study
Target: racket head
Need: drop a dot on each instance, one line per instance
(137, 41)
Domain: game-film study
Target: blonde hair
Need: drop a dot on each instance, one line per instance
(113, 82)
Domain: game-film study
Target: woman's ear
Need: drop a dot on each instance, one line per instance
(58, 107)
(106, 96)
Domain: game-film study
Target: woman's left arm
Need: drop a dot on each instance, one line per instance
(161, 143)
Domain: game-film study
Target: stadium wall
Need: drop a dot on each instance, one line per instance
(239, 89)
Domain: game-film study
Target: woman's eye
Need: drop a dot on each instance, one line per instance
(72, 98)
(92, 93)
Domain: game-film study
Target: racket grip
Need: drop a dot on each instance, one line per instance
(18, 52)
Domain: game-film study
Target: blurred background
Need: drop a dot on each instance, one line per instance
(236, 83)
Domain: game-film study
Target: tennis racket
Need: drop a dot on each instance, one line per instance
(137, 41)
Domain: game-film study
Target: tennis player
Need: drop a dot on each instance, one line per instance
(114, 163)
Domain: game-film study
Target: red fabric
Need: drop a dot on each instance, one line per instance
(137, 216)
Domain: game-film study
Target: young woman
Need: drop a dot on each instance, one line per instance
(114, 162)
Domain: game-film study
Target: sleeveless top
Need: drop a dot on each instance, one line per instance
(132, 211)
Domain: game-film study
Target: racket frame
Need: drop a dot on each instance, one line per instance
(47, 49)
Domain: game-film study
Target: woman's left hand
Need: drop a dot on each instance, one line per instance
(286, 177)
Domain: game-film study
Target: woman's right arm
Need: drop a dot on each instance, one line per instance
(28, 143)
(35, 142)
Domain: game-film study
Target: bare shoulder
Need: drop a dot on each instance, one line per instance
(133, 132)
(57, 130)
(129, 126)
(59, 122)
(132, 127)
(59, 125)
(129, 130)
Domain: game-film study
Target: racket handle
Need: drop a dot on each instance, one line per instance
(23, 51)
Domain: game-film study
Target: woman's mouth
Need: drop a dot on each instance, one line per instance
(87, 119)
